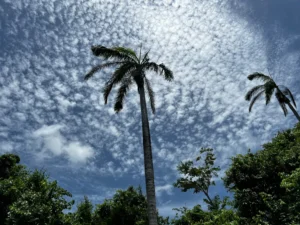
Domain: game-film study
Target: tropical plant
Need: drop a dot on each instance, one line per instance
(266, 183)
(29, 197)
(132, 69)
(199, 178)
(198, 216)
(283, 94)
(83, 215)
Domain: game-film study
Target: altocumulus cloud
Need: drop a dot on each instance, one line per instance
(48, 113)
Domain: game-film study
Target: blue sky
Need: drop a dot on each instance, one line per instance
(56, 121)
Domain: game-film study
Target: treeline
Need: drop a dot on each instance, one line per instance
(265, 187)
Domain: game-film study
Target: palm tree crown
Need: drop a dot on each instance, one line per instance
(130, 69)
(283, 94)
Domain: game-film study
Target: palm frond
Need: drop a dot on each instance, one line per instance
(254, 100)
(253, 92)
(151, 95)
(120, 73)
(269, 90)
(128, 52)
(146, 58)
(161, 69)
(288, 93)
(99, 67)
(106, 90)
(122, 93)
(151, 66)
(259, 76)
(281, 102)
(168, 74)
(110, 53)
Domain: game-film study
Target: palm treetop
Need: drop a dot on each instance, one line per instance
(283, 94)
(130, 69)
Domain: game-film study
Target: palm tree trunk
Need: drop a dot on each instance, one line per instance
(148, 163)
(294, 110)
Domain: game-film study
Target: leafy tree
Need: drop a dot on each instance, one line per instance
(265, 183)
(83, 214)
(126, 207)
(291, 183)
(198, 216)
(282, 93)
(132, 69)
(199, 178)
(8, 167)
(29, 197)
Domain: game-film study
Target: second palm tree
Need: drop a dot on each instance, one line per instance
(282, 93)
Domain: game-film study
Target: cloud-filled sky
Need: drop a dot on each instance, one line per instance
(56, 121)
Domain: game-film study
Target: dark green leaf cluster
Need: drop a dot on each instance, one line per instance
(29, 197)
(199, 178)
(198, 216)
(126, 207)
(266, 183)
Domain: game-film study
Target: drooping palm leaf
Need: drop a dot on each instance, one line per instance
(106, 90)
(99, 67)
(254, 91)
(254, 100)
(120, 73)
(288, 93)
(259, 76)
(281, 102)
(151, 66)
(269, 90)
(151, 95)
(122, 93)
(168, 74)
(108, 53)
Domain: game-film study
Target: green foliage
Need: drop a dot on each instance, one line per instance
(198, 216)
(83, 215)
(199, 178)
(266, 183)
(29, 197)
(9, 168)
(126, 207)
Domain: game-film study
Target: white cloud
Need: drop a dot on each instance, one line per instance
(58, 145)
(79, 153)
(165, 188)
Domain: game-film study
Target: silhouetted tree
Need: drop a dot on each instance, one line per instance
(132, 69)
(282, 93)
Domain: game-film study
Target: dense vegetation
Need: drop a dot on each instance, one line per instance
(265, 186)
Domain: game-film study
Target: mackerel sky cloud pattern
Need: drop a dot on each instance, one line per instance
(55, 120)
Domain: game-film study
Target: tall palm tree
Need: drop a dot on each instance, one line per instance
(283, 94)
(132, 69)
